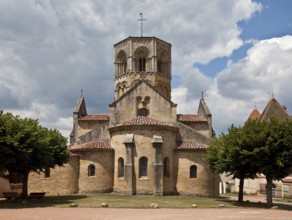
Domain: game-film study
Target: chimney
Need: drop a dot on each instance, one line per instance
(284, 108)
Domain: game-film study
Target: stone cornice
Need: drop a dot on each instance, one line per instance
(143, 74)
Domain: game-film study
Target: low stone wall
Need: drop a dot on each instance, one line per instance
(62, 180)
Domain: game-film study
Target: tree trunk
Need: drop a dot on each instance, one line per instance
(24, 194)
(240, 192)
(269, 190)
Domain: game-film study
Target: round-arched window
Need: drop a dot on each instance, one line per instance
(91, 170)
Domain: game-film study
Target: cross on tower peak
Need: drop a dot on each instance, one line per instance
(141, 19)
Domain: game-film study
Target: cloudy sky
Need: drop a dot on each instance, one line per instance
(238, 52)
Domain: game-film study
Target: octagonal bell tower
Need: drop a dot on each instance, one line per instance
(147, 58)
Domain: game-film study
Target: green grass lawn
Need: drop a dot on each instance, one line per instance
(128, 201)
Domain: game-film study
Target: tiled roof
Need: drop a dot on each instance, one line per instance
(274, 109)
(93, 145)
(95, 118)
(191, 145)
(143, 120)
(191, 118)
(254, 115)
(287, 180)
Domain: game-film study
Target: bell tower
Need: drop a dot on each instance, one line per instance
(147, 58)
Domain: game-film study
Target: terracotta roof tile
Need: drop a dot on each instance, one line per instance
(287, 180)
(143, 120)
(95, 118)
(93, 145)
(274, 109)
(254, 115)
(191, 118)
(191, 145)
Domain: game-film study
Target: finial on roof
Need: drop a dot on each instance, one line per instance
(255, 104)
(273, 95)
(202, 94)
(141, 19)
(81, 92)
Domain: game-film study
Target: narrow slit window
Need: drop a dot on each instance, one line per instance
(143, 163)
(193, 171)
(91, 170)
(121, 167)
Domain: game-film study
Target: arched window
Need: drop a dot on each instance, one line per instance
(121, 171)
(91, 170)
(121, 63)
(162, 62)
(166, 167)
(141, 56)
(193, 171)
(143, 162)
(47, 173)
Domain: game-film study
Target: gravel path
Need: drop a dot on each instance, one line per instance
(145, 214)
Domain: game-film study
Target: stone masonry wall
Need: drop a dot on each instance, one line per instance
(206, 183)
(127, 107)
(143, 147)
(102, 181)
(62, 180)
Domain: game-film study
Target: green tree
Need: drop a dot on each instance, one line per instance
(231, 153)
(26, 146)
(257, 147)
(274, 157)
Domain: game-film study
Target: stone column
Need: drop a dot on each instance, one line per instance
(130, 60)
(129, 165)
(157, 166)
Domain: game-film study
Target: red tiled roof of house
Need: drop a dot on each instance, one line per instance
(254, 115)
(93, 145)
(191, 118)
(287, 180)
(95, 118)
(191, 145)
(143, 120)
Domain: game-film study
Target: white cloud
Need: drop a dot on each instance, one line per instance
(52, 49)
(266, 69)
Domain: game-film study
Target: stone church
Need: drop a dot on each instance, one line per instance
(142, 145)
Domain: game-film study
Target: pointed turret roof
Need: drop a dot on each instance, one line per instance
(80, 107)
(274, 109)
(203, 108)
(254, 115)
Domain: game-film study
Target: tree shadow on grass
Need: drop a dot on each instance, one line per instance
(47, 201)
